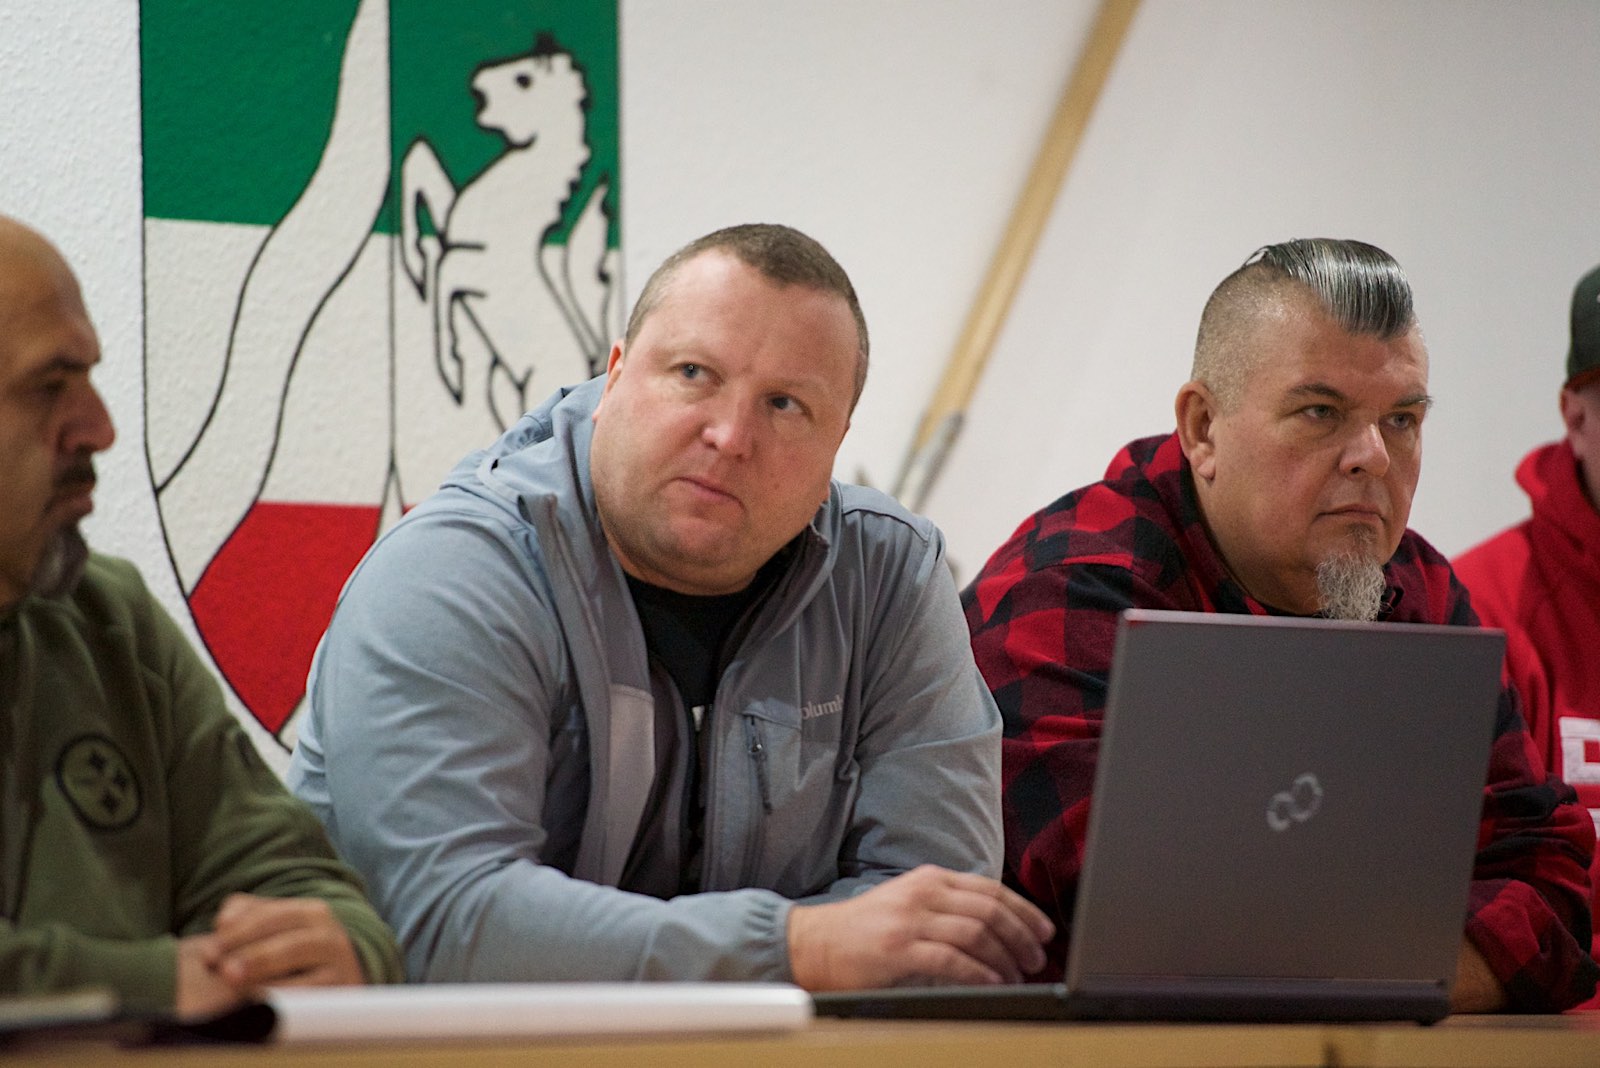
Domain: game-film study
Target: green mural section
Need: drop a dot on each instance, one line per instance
(238, 97)
(437, 48)
(237, 101)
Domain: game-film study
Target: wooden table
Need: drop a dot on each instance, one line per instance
(1460, 1042)
(1472, 1042)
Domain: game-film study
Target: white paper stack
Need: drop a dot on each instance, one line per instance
(522, 1010)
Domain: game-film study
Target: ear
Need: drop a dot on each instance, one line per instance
(613, 372)
(827, 489)
(1573, 411)
(1196, 411)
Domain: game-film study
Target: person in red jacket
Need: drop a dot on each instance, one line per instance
(1286, 489)
(1540, 580)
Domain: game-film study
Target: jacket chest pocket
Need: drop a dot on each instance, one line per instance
(802, 778)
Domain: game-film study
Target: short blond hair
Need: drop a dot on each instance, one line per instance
(783, 255)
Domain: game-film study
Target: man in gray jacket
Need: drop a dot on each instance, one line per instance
(642, 693)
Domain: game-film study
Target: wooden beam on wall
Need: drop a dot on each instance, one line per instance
(941, 420)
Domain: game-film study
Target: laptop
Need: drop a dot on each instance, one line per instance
(1284, 820)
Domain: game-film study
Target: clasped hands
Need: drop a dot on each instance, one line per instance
(262, 941)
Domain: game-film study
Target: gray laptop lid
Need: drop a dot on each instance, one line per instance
(1284, 808)
(1284, 818)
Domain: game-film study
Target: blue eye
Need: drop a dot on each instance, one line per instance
(690, 370)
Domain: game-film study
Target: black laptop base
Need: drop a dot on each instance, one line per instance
(1187, 1001)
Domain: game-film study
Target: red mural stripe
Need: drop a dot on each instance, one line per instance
(267, 596)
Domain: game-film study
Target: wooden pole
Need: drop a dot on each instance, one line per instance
(941, 420)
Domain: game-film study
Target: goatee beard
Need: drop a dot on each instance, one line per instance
(64, 560)
(1350, 583)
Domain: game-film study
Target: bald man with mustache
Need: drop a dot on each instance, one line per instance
(144, 846)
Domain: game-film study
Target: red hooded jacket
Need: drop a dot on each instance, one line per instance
(1540, 582)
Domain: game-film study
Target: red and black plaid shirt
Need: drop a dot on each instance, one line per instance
(1043, 614)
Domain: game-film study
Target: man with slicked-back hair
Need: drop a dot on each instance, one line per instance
(1284, 490)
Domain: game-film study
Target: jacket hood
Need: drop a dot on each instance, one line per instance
(1565, 526)
(543, 457)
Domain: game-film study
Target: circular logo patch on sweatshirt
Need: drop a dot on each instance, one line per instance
(99, 782)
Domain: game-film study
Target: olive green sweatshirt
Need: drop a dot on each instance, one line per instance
(132, 802)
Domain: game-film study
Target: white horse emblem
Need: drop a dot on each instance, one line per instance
(499, 295)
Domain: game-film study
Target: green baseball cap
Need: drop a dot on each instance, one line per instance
(1584, 356)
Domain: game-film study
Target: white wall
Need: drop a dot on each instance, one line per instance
(1459, 135)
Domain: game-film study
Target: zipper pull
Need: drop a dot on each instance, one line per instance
(758, 753)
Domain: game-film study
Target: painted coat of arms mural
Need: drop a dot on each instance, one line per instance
(376, 231)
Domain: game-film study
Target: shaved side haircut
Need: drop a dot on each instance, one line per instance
(1358, 285)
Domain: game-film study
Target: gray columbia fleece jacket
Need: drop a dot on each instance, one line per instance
(479, 741)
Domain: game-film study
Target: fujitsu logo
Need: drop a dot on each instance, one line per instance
(817, 709)
(1296, 804)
